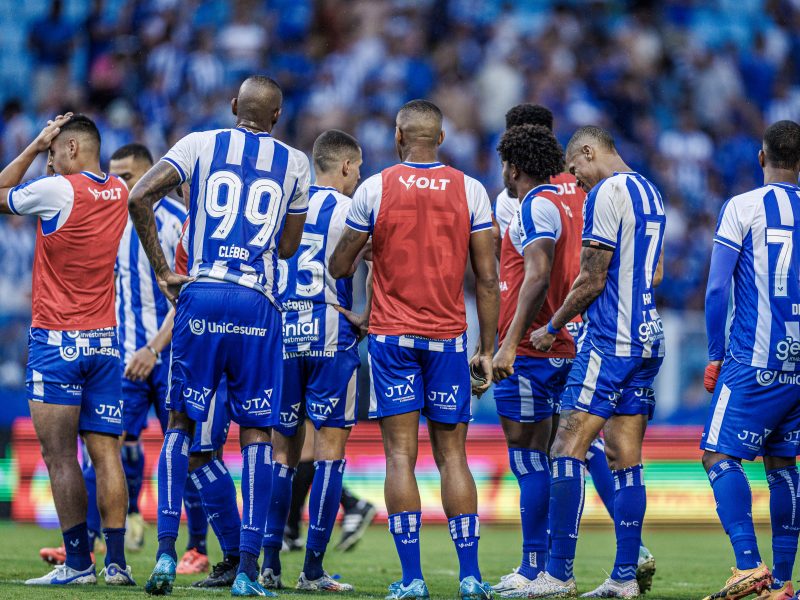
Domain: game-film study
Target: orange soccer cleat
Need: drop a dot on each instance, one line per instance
(743, 583)
(55, 556)
(193, 562)
(785, 592)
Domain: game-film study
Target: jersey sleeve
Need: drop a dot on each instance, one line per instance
(361, 216)
(480, 208)
(46, 197)
(183, 155)
(601, 219)
(298, 203)
(505, 208)
(540, 219)
(729, 231)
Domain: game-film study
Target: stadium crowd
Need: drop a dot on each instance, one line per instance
(685, 87)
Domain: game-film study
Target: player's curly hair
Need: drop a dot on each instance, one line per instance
(529, 114)
(534, 150)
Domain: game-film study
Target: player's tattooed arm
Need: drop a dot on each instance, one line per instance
(591, 280)
(343, 260)
(161, 179)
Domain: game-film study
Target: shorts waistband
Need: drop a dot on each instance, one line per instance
(105, 337)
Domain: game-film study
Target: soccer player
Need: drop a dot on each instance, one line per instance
(543, 239)
(425, 220)
(73, 374)
(249, 196)
(622, 238)
(320, 367)
(142, 312)
(756, 405)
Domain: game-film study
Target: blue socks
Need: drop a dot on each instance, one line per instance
(630, 501)
(218, 494)
(323, 506)
(173, 470)
(279, 504)
(598, 468)
(783, 489)
(115, 546)
(133, 465)
(404, 527)
(532, 470)
(466, 531)
(566, 507)
(76, 543)
(735, 507)
(196, 521)
(256, 486)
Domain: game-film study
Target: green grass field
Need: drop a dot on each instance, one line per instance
(691, 563)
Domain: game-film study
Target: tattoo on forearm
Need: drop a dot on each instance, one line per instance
(588, 285)
(154, 185)
(349, 244)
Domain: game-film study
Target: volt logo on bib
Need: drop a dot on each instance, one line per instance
(424, 183)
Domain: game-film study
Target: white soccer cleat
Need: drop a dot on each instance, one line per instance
(612, 588)
(645, 569)
(270, 580)
(64, 575)
(134, 532)
(114, 575)
(512, 584)
(547, 586)
(326, 583)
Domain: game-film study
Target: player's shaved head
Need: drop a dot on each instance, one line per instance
(258, 103)
(420, 122)
(333, 147)
(591, 135)
(781, 145)
(136, 151)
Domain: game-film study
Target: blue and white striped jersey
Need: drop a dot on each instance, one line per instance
(763, 226)
(242, 186)
(310, 322)
(141, 307)
(625, 212)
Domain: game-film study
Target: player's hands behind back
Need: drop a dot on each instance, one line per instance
(360, 322)
(171, 283)
(141, 365)
(480, 364)
(711, 375)
(51, 130)
(542, 340)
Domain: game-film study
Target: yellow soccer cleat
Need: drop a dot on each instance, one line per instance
(743, 583)
(786, 592)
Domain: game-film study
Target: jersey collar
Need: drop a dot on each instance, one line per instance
(318, 188)
(432, 165)
(545, 187)
(94, 177)
(262, 133)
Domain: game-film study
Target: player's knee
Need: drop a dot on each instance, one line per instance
(778, 462)
(711, 458)
(56, 456)
(180, 421)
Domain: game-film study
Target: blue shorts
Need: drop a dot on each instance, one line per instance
(753, 412)
(139, 396)
(78, 368)
(533, 392)
(231, 330)
(404, 380)
(322, 388)
(211, 434)
(606, 385)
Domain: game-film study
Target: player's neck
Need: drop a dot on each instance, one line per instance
(252, 126)
(92, 167)
(773, 175)
(420, 154)
(331, 181)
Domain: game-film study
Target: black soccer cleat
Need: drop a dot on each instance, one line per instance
(222, 575)
(355, 523)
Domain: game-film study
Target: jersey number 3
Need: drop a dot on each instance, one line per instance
(229, 211)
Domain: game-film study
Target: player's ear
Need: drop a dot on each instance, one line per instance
(762, 158)
(276, 115)
(345, 167)
(588, 151)
(398, 136)
(72, 145)
(441, 138)
(235, 106)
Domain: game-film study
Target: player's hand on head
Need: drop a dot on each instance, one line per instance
(141, 365)
(50, 131)
(542, 340)
(503, 363)
(359, 321)
(171, 283)
(711, 375)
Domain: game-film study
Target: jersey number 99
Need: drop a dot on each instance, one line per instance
(229, 211)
